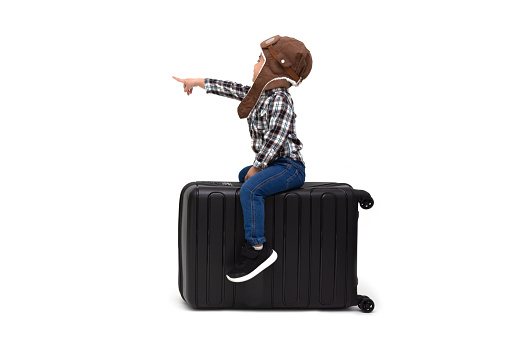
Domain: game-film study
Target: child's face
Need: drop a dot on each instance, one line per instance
(258, 67)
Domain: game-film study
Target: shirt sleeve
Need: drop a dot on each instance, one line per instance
(227, 89)
(279, 125)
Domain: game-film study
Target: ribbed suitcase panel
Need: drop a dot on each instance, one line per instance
(291, 241)
(291, 258)
(215, 246)
(328, 250)
(328, 255)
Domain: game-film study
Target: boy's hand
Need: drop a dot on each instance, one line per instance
(252, 171)
(190, 83)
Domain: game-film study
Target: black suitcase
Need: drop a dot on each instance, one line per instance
(313, 229)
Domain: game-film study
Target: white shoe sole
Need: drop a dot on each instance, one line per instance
(270, 260)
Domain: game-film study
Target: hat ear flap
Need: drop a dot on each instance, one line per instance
(248, 103)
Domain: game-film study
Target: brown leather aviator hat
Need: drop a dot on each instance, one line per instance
(285, 58)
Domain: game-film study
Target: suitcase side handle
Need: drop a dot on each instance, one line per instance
(364, 199)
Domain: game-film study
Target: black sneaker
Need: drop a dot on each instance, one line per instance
(251, 263)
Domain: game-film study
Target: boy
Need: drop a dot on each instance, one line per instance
(278, 165)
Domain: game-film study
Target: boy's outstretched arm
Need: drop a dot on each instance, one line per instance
(190, 83)
(227, 89)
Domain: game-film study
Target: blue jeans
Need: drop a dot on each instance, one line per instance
(281, 175)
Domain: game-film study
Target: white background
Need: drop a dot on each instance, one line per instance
(406, 99)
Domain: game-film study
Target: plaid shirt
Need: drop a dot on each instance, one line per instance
(271, 122)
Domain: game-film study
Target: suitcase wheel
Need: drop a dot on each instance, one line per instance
(364, 199)
(365, 304)
(366, 204)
